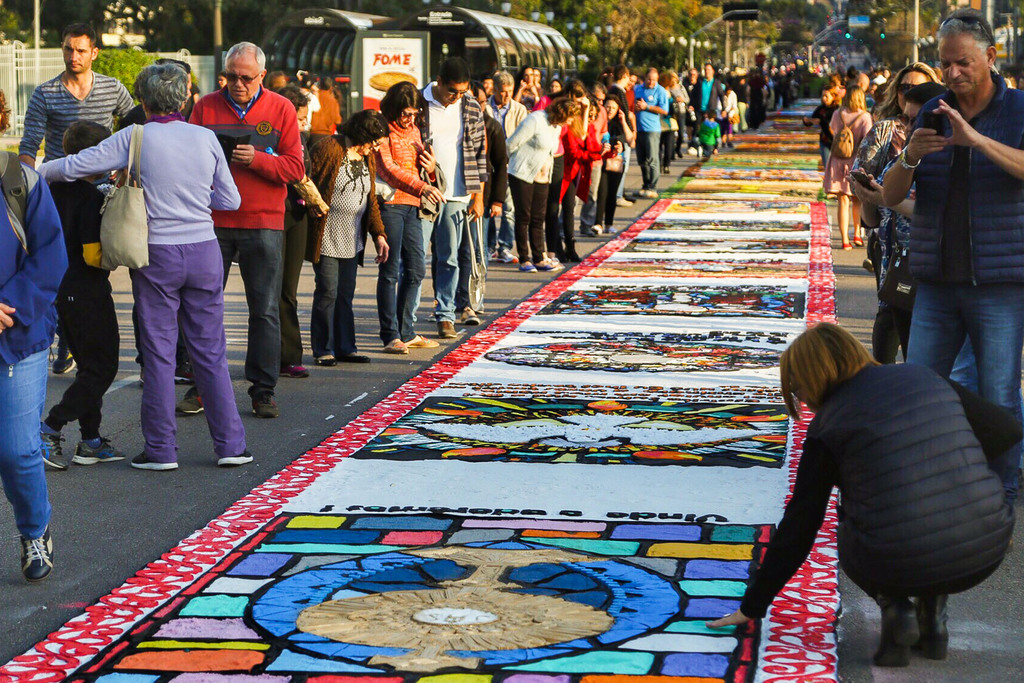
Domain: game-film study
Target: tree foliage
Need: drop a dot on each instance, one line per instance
(123, 64)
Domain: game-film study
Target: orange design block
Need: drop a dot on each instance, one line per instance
(192, 660)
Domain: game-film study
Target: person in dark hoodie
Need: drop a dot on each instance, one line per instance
(85, 307)
(912, 454)
(32, 264)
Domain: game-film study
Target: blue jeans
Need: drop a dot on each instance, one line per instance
(627, 154)
(992, 318)
(647, 148)
(332, 324)
(448, 230)
(22, 395)
(826, 152)
(400, 277)
(260, 255)
(501, 232)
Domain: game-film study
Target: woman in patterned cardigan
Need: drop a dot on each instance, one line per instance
(344, 170)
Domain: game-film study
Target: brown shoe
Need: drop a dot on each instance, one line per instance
(421, 342)
(446, 329)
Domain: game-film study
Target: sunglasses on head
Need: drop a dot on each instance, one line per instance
(973, 21)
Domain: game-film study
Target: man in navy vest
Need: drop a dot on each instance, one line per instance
(967, 232)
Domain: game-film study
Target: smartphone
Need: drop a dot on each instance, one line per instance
(861, 177)
(935, 121)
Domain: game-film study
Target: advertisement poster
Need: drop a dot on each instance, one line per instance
(390, 60)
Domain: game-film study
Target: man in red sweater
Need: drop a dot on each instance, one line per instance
(260, 128)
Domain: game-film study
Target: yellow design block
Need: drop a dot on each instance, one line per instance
(457, 678)
(715, 551)
(201, 645)
(316, 522)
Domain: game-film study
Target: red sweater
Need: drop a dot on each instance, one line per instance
(274, 131)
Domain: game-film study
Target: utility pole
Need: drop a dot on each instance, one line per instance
(917, 27)
(218, 38)
(727, 45)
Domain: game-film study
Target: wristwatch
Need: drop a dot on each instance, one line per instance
(904, 164)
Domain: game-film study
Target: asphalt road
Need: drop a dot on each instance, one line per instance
(110, 520)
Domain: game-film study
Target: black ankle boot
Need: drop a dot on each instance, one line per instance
(899, 631)
(931, 619)
(570, 252)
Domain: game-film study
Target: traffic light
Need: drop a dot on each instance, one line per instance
(848, 35)
(882, 35)
(740, 11)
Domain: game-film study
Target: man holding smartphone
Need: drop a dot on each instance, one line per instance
(967, 231)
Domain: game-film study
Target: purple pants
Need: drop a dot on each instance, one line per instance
(184, 283)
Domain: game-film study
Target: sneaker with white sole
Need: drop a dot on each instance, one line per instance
(192, 404)
(235, 460)
(37, 557)
(141, 462)
(53, 451)
(506, 256)
(622, 201)
(527, 267)
(87, 455)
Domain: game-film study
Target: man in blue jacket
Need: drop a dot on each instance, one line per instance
(967, 232)
(651, 104)
(32, 264)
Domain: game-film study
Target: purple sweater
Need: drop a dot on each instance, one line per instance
(184, 174)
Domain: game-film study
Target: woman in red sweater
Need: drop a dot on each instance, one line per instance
(403, 161)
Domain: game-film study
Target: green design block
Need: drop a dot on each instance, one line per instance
(733, 534)
(216, 606)
(721, 589)
(597, 547)
(625, 663)
(698, 627)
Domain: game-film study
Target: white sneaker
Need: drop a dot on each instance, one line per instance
(622, 201)
(692, 151)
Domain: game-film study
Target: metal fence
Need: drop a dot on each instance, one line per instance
(23, 68)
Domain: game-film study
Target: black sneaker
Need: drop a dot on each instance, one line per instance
(141, 462)
(264, 406)
(37, 556)
(87, 455)
(53, 452)
(65, 362)
(183, 373)
(192, 404)
(235, 460)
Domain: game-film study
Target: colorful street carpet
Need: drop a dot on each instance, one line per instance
(566, 497)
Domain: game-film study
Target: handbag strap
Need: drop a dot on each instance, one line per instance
(135, 157)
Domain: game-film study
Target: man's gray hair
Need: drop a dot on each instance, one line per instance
(253, 49)
(503, 79)
(163, 88)
(967, 22)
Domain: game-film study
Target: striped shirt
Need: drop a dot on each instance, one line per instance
(53, 108)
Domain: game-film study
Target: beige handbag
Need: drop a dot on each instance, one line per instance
(124, 229)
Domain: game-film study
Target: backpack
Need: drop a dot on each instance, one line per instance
(842, 145)
(15, 193)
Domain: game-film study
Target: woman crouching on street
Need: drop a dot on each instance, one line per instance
(922, 513)
(344, 170)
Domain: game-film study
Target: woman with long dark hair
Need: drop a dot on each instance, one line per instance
(407, 165)
(344, 170)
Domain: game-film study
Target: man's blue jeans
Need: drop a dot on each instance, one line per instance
(501, 232)
(992, 317)
(448, 230)
(22, 395)
(399, 278)
(648, 149)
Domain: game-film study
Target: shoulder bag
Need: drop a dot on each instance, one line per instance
(124, 228)
(899, 288)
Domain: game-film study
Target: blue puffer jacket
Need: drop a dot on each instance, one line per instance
(996, 198)
(30, 273)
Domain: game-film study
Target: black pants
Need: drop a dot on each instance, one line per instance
(530, 201)
(552, 224)
(901, 319)
(602, 197)
(668, 138)
(567, 242)
(295, 230)
(609, 198)
(90, 329)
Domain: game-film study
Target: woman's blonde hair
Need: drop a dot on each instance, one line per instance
(817, 362)
(5, 113)
(890, 104)
(854, 99)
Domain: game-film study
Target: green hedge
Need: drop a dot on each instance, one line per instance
(124, 64)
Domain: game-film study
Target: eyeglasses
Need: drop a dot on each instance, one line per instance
(972, 21)
(247, 80)
(409, 114)
(906, 87)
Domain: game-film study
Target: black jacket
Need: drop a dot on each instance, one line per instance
(497, 163)
(715, 103)
(908, 451)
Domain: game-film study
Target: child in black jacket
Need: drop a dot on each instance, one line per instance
(85, 308)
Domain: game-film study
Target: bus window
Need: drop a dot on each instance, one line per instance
(316, 56)
(343, 54)
(326, 65)
(291, 59)
(306, 56)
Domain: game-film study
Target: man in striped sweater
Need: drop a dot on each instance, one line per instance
(78, 94)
